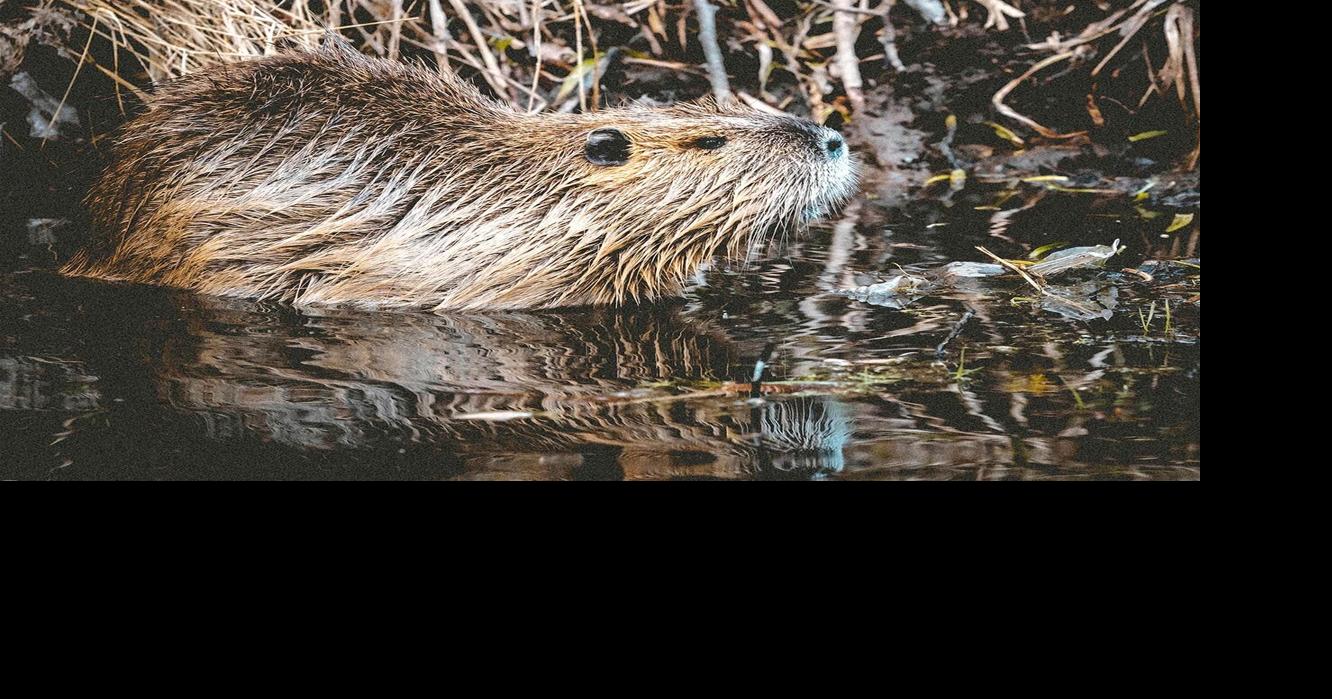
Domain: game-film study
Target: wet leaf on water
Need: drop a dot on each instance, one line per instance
(1145, 135)
(1180, 221)
(1030, 383)
(1005, 133)
(1075, 258)
(1089, 301)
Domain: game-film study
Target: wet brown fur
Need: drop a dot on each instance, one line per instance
(328, 177)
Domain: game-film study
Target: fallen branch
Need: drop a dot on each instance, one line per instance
(999, 11)
(492, 73)
(888, 39)
(998, 99)
(707, 36)
(846, 28)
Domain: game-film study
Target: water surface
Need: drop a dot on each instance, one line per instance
(103, 381)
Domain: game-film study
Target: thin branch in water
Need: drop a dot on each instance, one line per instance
(941, 350)
(1009, 265)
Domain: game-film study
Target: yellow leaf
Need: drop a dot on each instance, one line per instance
(571, 80)
(1005, 133)
(1145, 135)
(1180, 221)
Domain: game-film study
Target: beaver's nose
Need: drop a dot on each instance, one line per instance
(835, 145)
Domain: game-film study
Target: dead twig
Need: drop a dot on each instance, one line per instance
(707, 36)
(1004, 109)
(492, 74)
(846, 27)
(999, 11)
(1009, 265)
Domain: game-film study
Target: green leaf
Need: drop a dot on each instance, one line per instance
(1043, 250)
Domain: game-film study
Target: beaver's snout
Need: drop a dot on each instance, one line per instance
(822, 139)
(835, 146)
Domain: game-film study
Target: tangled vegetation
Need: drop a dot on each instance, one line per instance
(549, 54)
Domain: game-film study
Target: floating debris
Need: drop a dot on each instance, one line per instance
(1089, 300)
(972, 270)
(898, 292)
(49, 118)
(1094, 300)
(45, 231)
(1075, 258)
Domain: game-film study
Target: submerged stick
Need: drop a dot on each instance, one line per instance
(941, 350)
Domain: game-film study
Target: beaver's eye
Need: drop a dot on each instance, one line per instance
(607, 147)
(710, 142)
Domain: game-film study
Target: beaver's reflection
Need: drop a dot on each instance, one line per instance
(466, 383)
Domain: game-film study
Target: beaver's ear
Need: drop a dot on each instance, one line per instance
(607, 147)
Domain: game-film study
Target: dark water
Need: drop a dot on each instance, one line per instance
(112, 382)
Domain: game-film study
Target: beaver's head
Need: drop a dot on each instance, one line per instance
(641, 196)
(786, 166)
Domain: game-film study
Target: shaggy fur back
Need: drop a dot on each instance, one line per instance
(328, 177)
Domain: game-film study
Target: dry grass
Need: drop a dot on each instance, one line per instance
(537, 54)
(548, 54)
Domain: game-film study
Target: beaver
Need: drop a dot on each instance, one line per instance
(325, 176)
